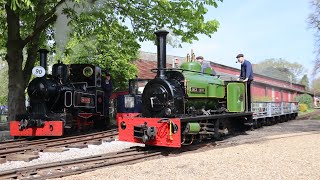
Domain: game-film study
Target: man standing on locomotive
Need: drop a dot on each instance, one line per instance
(246, 75)
(205, 65)
(107, 88)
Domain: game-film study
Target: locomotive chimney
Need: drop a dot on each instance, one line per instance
(43, 58)
(161, 51)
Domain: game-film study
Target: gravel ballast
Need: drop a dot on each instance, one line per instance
(72, 153)
(285, 151)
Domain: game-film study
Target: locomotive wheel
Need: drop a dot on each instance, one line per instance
(260, 123)
(16, 137)
(217, 134)
(255, 124)
(101, 123)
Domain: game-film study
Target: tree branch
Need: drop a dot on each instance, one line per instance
(42, 22)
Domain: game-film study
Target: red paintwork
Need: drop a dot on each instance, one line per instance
(114, 95)
(285, 96)
(258, 91)
(162, 138)
(82, 120)
(277, 95)
(85, 115)
(50, 128)
(260, 78)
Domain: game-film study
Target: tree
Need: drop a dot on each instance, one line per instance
(305, 81)
(114, 51)
(4, 83)
(314, 21)
(27, 25)
(316, 86)
(280, 69)
(305, 99)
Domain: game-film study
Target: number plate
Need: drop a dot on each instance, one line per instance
(38, 71)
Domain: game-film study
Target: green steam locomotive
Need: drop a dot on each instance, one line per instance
(180, 106)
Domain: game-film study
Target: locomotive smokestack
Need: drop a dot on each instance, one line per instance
(43, 58)
(161, 51)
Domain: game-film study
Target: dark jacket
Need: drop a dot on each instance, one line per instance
(205, 65)
(107, 88)
(246, 70)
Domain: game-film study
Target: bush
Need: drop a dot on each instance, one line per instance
(3, 100)
(305, 99)
(303, 107)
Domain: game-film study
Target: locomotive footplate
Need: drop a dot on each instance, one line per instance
(156, 132)
(48, 128)
(246, 115)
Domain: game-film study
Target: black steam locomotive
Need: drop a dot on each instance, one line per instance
(71, 98)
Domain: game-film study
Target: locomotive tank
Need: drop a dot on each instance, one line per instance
(42, 90)
(180, 106)
(203, 91)
(186, 91)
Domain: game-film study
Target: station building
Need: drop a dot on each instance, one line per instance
(264, 88)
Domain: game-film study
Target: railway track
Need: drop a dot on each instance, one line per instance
(25, 146)
(128, 156)
(81, 165)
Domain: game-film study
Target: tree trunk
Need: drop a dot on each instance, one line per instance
(14, 57)
(19, 77)
(16, 95)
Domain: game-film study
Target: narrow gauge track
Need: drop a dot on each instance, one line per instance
(81, 165)
(22, 146)
(128, 156)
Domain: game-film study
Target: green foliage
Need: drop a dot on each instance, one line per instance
(305, 99)
(316, 118)
(114, 50)
(99, 38)
(4, 83)
(3, 100)
(280, 69)
(303, 107)
(305, 81)
(15, 4)
(316, 86)
(100, 31)
(185, 18)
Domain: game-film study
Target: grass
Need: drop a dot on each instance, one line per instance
(316, 117)
(307, 112)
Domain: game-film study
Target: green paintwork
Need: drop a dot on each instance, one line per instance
(208, 71)
(236, 97)
(200, 85)
(194, 127)
(191, 66)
